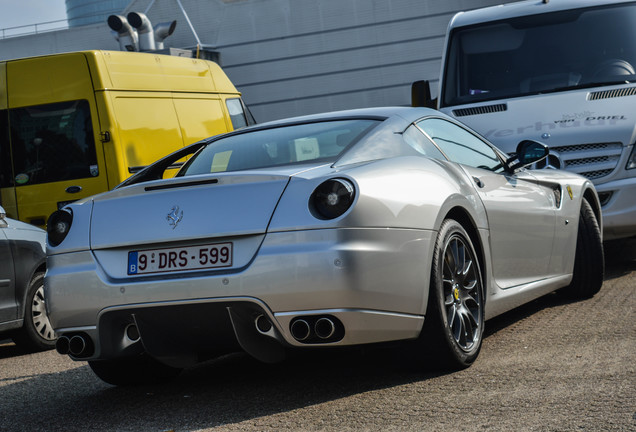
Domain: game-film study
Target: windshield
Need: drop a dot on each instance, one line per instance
(541, 53)
(286, 145)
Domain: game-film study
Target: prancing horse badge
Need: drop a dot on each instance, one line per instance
(174, 217)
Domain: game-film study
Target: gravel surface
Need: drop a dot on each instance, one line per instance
(551, 365)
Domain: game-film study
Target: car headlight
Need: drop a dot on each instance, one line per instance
(631, 162)
(58, 226)
(332, 198)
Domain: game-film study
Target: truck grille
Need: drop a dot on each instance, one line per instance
(485, 109)
(594, 161)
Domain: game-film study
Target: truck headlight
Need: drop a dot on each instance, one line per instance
(631, 162)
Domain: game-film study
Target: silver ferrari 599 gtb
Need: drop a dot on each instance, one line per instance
(337, 229)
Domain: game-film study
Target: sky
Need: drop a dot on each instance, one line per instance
(15, 13)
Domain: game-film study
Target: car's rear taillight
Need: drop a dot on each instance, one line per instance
(58, 226)
(332, 198)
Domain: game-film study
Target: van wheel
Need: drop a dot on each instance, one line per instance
(141, 369)
(454, 322)
(589, 260)
(36, 333)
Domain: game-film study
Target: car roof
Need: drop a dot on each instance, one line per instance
(407, 113)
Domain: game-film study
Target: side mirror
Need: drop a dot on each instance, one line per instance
(528, 152)
(421, 95)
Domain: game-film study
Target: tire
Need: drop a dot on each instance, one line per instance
(138, 370)
(589, 260)
(36, 333)
(453, 328)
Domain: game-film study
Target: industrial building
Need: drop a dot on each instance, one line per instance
(287, 57)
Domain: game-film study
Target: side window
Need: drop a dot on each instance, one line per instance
(421, 143)
(53, 142)
(237, 113)
(461, 146)
(6, 170)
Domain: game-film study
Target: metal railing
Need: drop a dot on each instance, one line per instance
(30, 29)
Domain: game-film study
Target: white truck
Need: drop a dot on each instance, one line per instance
(560, 72)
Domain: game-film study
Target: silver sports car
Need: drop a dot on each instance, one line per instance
(339, 229)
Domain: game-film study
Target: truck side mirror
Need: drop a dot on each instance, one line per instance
(421, 95)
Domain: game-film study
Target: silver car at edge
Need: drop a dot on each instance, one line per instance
(22, 265)
(337, 229)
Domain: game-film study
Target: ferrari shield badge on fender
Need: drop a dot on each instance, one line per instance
(569, 191)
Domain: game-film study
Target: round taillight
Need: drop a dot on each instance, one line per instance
(332, 198)
(58, 226)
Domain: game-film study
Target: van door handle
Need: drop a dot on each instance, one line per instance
(74, 189)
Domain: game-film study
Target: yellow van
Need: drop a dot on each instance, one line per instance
(76, 124)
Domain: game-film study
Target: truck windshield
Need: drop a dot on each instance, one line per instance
(542, 53)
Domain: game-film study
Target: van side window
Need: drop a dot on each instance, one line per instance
(237, 113)
(52, 142)
(6, 172)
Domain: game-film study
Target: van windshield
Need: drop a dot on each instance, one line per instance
(541, 53)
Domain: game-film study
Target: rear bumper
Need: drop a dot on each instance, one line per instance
(373, 281)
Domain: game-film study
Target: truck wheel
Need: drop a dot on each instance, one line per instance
(141, 369)
(454, 322)
(589, 261)
(36, 333)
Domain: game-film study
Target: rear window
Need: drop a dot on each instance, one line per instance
(285, 145)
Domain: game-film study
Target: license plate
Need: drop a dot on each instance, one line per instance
(177, 259)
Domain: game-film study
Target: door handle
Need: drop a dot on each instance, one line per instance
(478, 182)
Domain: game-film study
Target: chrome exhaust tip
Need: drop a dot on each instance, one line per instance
(77, 345)
(62, 345)
(324, 328)
(263, 324)
(132, 333)
(300, 329)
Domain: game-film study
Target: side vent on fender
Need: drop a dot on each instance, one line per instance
(558, 194)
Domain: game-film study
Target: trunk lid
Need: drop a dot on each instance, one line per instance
(185, 209)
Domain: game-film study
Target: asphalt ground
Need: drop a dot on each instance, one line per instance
(551, 365)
